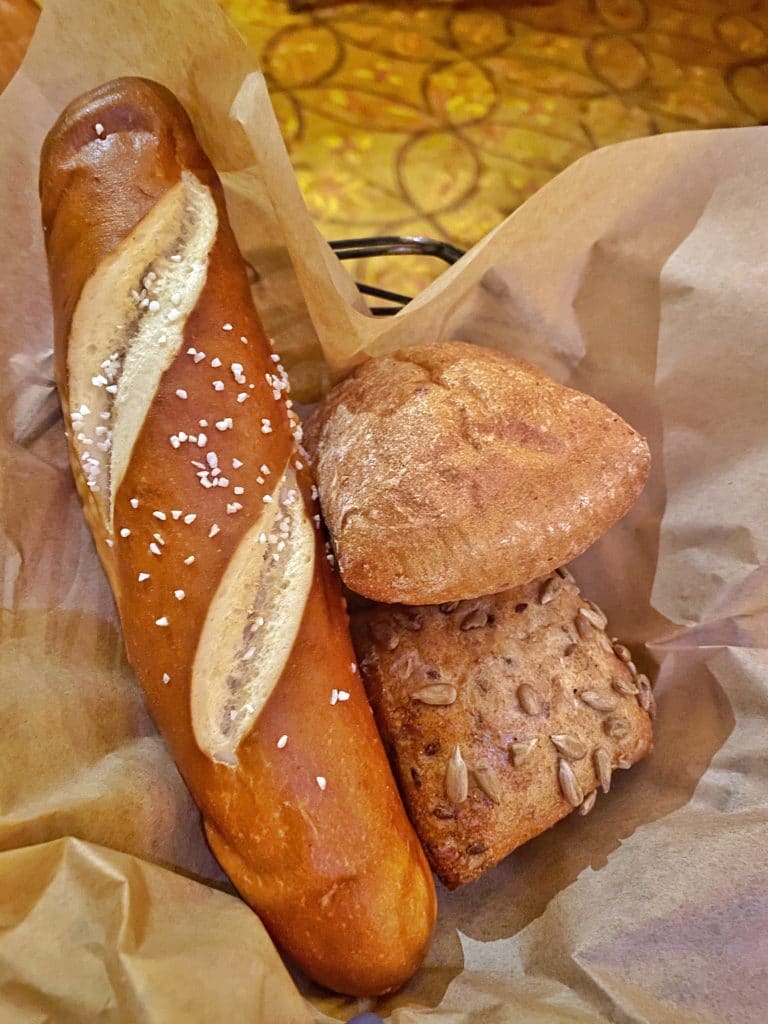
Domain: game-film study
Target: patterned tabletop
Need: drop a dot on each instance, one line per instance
(441, 118)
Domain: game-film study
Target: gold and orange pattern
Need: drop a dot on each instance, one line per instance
(441, 120)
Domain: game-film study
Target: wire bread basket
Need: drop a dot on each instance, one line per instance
(392, 245)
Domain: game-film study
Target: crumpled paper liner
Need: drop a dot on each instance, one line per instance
(141, 944)
(639, 275)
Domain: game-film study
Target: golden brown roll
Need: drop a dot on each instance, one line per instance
(449, 471)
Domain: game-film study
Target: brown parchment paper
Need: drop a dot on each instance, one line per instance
(640, 275)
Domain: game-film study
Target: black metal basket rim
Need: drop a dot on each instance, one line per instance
(392, 245)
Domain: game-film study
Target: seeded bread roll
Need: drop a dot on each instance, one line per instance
(449, 471)
(183, 447)
(501, 715)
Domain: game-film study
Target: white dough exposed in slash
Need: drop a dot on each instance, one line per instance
(280, 592)
(105, 322)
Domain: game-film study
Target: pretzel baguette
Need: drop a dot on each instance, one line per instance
(183, 449)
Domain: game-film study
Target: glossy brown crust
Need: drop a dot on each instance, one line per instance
(449, 471)
(337, 875)
(487, 649)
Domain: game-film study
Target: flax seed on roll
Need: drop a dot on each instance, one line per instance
(450, 471)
